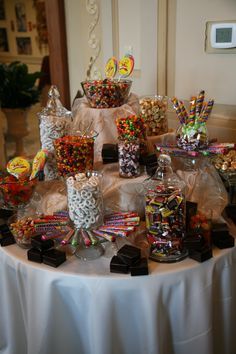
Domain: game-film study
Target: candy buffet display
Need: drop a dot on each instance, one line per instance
(54, 123)
(165, 213)
(153, 110)
(192, 133)
(74, 154)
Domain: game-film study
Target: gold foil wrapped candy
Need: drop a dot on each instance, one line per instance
(226, 163)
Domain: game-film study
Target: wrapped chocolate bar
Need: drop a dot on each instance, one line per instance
(165, 213)
(54, 123)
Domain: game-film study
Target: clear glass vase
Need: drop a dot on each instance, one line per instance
(192, 136)
(86, 211)
(128, 157)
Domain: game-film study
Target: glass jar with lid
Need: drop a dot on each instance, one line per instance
(165, 213)
(55, 121)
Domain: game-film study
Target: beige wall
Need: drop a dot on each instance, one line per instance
(191, 69)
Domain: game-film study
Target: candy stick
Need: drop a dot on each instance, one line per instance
(118, 227)
(120, 216)
(207, 110)
(178, 110)
(108, 237)
(93, 238)
(85, 238)
(199, 102)
(122, 223)
(67, 238)
(183, 111)
(192, 109)
(121, 233)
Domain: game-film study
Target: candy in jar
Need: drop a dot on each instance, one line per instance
(153, 110)
(54, 123)
(128, 157)
(165, 213)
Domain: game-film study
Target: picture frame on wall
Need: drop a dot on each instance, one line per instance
(21, 22)
(2, 10)
(24, 45)
(4, 47)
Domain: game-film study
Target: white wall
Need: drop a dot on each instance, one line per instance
(194, 68)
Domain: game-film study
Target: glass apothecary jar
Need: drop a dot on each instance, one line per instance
(165, 213)
(86, 211)
(128, 157)
(153, 110)
(54, 122)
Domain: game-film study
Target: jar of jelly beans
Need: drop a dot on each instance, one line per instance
(165, 213)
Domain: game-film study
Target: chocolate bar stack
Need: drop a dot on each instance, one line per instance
(221, 237)
(42, 251)
(129, 259)
(109, 153)
(195, 243)
(6, 237)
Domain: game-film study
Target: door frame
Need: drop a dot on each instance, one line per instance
(56, 26)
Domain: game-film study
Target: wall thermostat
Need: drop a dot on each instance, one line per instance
(220, 37)
(223, 35)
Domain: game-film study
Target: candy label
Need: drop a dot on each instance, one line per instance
(18, 167)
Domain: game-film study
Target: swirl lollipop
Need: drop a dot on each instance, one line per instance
(126, 65)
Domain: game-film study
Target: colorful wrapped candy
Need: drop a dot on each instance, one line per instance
(192, 133)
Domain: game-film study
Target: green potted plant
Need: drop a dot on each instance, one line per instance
(18, 92)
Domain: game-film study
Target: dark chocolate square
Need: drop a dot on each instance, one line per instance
(7, 239)
(35, 255)
(194, 242)
(37, 242)
(4, 228)
(224, 242)
(140, 268)
(129, 254)
(201, 255)
(54, 257)
(118, 266)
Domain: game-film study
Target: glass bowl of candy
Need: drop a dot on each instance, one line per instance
(22, 230)
(106, 93)
(15, 193)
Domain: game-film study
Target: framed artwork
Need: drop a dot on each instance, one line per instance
(21, 23)
(3, 40)
(2, 10)
(24, 45)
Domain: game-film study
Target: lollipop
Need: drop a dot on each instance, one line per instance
(126, 65)
(18, 167)
(111, 68)
(38, 163)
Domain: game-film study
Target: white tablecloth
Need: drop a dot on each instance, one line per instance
(82, 308)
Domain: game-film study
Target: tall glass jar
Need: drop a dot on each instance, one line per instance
(128, 157)
(165, 213)
(54, 123)
(153, 110)
(86, 211)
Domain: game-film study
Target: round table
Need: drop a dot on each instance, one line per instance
(81, 307)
